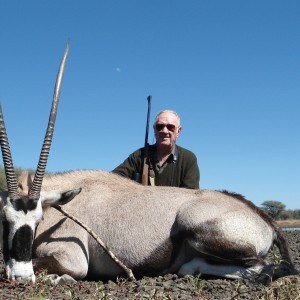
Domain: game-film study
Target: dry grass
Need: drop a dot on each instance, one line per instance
(289, 223)
(285, 288)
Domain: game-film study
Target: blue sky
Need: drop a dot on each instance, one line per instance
(230, 68)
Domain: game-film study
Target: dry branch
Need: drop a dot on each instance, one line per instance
(98, 240)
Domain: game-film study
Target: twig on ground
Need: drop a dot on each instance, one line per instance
(98, 240)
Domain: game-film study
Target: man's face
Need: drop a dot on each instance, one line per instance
(167, 129)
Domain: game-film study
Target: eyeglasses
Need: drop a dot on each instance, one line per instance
(170, 127)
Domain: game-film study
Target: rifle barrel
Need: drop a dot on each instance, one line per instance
(145, 168)
(149, 98)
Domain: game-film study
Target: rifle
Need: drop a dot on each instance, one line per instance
(145, 166)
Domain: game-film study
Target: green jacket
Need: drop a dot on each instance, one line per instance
(180, 170)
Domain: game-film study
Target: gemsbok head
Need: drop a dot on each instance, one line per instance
(21, 213)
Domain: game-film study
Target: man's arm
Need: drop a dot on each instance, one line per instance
(190, 169)
(131, 166)
(191, 179)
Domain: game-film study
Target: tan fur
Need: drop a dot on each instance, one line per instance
(146, 226)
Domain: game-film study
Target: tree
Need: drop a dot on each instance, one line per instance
(273, 208)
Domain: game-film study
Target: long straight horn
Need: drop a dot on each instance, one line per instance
(39, 174)
(11, 179)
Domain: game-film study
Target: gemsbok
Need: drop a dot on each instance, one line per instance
(151, 230)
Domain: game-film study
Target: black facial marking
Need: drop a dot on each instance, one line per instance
(24, 204)
(22, 244)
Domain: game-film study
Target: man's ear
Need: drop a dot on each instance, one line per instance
(179, 130)
(58, 197)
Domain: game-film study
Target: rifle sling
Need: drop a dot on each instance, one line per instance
(151, 175)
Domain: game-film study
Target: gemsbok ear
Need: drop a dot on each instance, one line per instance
(58, 197)
(3, 196)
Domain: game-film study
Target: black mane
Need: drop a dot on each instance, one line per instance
(233, 194)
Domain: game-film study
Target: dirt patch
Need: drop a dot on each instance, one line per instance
(164, 287)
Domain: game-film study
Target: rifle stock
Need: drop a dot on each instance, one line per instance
(145, 165)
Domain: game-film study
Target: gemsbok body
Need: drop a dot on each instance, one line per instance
(151, 230)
